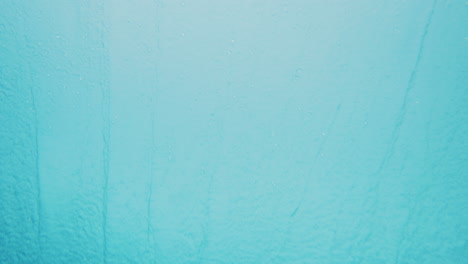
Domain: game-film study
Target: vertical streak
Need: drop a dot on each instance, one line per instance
(317, 154)
(152, 156)
(152, 171)
(375, 188)
(105, 117)
(106, 131)
(36, 165)
(307, 183)
(105, 156)
(153, 140)
(403, 108)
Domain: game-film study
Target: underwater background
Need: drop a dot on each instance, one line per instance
(248, 131)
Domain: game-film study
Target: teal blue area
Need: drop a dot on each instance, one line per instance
(249, 131)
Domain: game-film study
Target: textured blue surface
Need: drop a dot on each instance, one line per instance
(234, 131)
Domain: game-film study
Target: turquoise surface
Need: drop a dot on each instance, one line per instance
(247, 131)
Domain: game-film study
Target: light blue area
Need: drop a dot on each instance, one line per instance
(168, 131)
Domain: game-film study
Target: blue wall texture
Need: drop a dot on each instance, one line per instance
(248, 131)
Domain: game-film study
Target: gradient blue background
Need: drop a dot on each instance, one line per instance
(246, 131)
